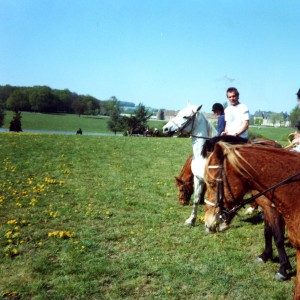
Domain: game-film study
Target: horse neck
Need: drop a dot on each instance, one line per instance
(186, 173)
(197, 144)
(202, 127)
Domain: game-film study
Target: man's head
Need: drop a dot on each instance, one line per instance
(233, 96)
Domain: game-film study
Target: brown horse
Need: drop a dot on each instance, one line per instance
(185, 182)
(273, 221)
(231, 171)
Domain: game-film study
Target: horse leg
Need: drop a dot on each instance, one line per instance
(297, 287)
(278, 229)
(274, 227)
(198, 188)
(268, 251)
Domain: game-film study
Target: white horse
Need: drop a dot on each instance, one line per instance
(193, 122)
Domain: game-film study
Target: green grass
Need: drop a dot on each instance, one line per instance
(113, 201)
(66, 122)
(98, 124)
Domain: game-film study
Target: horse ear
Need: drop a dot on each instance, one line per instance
(219, 149)
(178, 181)
(199, 107)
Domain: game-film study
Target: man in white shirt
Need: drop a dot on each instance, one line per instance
(236, 115)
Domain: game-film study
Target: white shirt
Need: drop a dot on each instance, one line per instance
(234, 117)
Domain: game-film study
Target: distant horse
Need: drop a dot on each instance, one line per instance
(147, 132)
(79, 131)
(231, 171)
(155, 133)
(192, 121)
(136, 131)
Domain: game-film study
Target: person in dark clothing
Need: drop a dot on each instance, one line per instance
(218, 110)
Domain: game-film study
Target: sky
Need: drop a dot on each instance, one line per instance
(161, 53)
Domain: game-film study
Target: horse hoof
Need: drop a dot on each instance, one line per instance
(189, 223)
(260, 260)
(280, 277)
(249, 211)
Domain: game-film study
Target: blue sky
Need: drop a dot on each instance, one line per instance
(161, 53)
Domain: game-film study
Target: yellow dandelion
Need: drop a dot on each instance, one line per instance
(8, 234)
(12, 222)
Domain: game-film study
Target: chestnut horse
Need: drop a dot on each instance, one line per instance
(273, 221)
(231, 171)
(185, 182)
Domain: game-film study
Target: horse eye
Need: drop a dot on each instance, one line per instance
(185, 117)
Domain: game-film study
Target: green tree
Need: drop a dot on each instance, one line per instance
(18, 100)
(295, 116)
(116, 121)
(79, 107)
(92, 105)
(43, 100)
(15, 123)
(2, 115)
(142, 115)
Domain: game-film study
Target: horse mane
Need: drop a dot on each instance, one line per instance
(209, 144)
(239, 162)
(231, 152)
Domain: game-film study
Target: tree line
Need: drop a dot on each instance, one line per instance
(44, 99)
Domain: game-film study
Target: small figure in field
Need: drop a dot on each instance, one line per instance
(79, 131)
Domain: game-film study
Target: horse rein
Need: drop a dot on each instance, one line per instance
(223, 213)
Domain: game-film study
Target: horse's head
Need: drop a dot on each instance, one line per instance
(224, 190)
(183, 122)
(185, 191)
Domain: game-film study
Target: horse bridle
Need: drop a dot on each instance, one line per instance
(187, 123)
(224, 214)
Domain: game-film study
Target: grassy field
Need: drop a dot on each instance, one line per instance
(85, 217)
(98, 124)
(66, 122)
